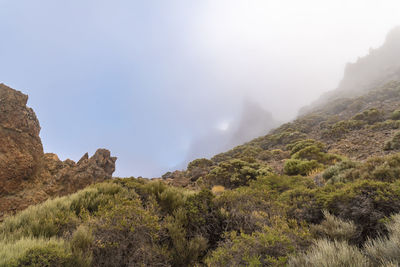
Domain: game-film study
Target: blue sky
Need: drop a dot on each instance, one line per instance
(146, 79)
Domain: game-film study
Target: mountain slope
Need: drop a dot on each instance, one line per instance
(323, 190)
(372, 71)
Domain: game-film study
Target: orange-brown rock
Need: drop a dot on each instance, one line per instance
(27, 175)
(20, 145)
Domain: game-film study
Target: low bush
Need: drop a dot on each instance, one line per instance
(245, 209)
(339, 172)
(300, 145)
(394, 143)
(233, 173)
(275, 154)
(126, 234)
(370, 116)
(82, 242)
(330, 253)
(386, 125)
(385, 169)
(39, 252)
(386, 249)
(269, 247)
(395, 115)
(382, 251)
(185, 249)
(341, 128)
(334, 228)
(198, 168)
(300, 167)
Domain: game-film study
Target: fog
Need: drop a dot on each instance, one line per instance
(161, 82)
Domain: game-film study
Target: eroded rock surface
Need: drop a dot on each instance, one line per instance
(20, 145)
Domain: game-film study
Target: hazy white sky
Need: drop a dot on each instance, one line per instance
(146, 78)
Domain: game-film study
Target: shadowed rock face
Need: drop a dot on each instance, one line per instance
(27, 175)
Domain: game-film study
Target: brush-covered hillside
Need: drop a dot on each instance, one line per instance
(323, 190)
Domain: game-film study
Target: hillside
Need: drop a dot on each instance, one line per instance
(367, 73)
(322, 190)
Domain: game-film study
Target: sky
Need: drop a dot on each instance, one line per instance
(146, 79)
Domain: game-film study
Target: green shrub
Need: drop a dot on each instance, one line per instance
(245, 209)
(51, 255)
(199, 168)
(386, 249)
(341, 128)
(300, 167)
(82, 242)
(395, 115)
(386, 125)
(300, 145)
(88, 201)
(366, 203)
(385, 169)
(275, 185)
(39, 252)
(339, 172)
(370, 116)
(279, 138)
(48, 219)
(332, 254)
(185, 250)
(203, 217)
(245, 152)
(269, 247)
(275, 154)
(311, 150)
(334, 228)
(233, 173)
(127, 234)
(168, 198)
(394, 143)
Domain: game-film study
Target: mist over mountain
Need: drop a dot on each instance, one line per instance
(379, 66)
(321, 190)
(253, 121)
(217, 87)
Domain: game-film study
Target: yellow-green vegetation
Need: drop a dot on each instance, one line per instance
(395, 115)
(269, 247)
(306, 156)
(260, 219)
(283, 199)
(341, 128)
(236, 172)
(369, 116)
(382, 251)
(394, 143)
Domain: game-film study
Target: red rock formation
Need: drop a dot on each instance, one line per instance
(20, 145)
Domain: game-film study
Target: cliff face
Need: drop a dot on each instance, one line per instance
(27, 175)
(20, 146)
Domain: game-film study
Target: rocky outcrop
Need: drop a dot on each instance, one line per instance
(20, 145)
(27, 175)
(73, 175)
